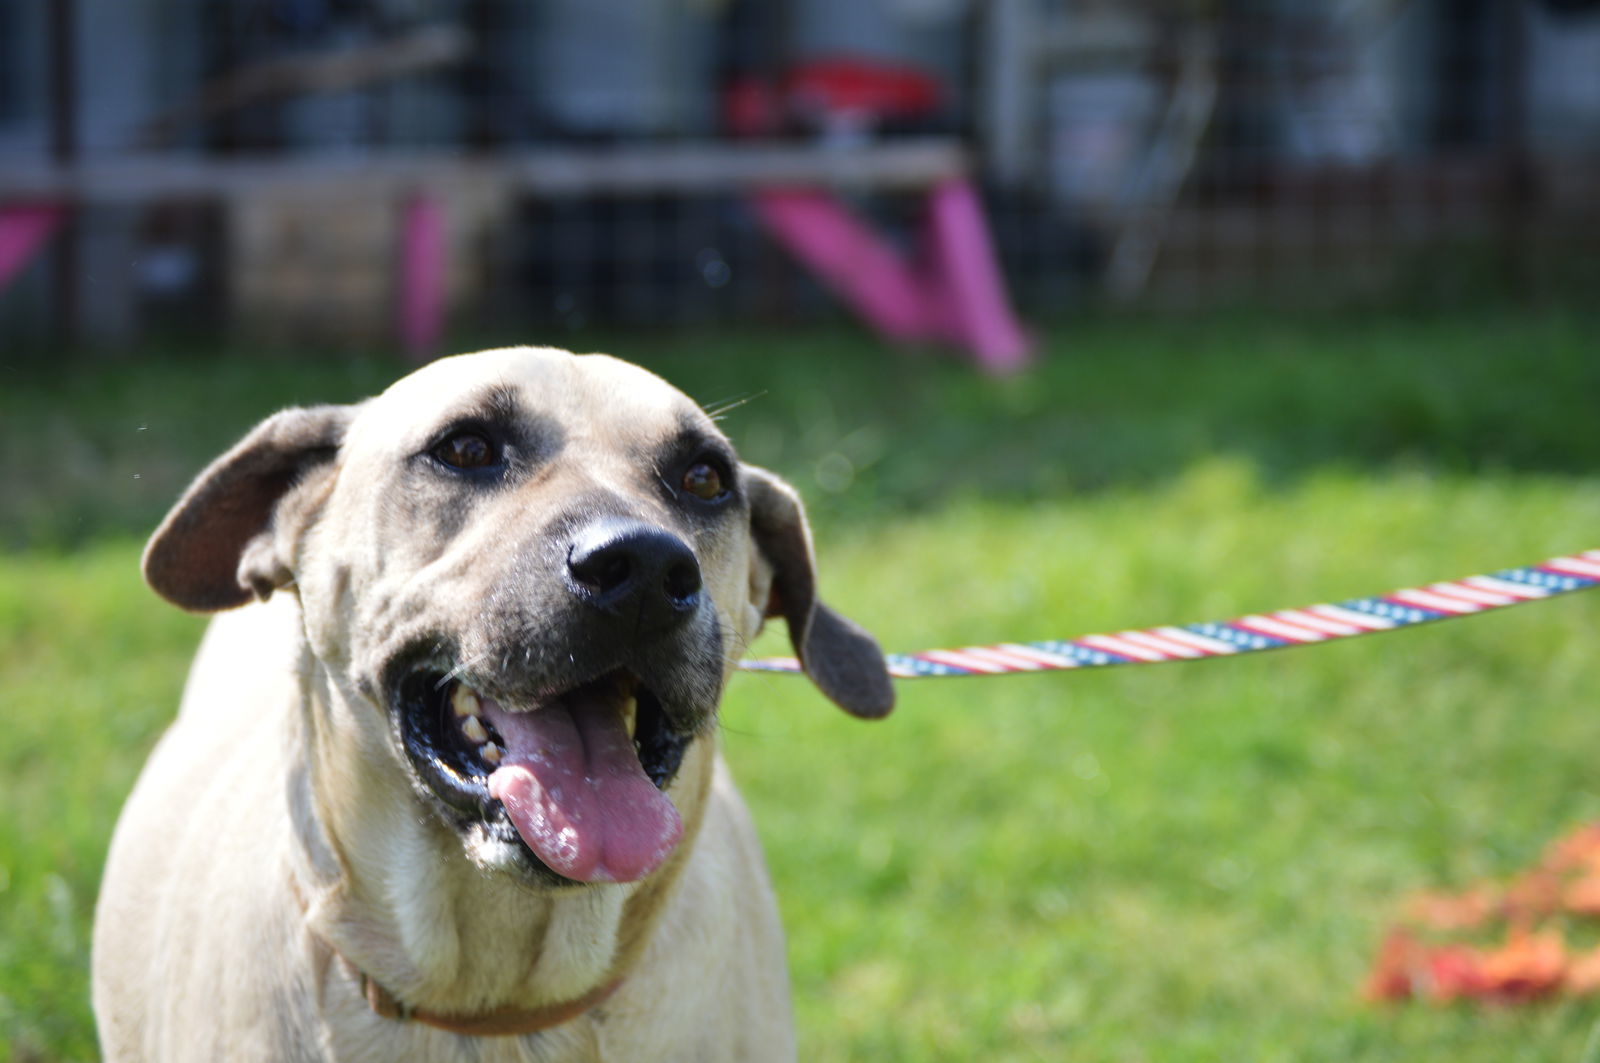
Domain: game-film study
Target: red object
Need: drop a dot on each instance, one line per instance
(823, 90)
(861, 87)
(1455, 972)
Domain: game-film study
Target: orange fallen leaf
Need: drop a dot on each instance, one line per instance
(1533, 895)
(1582, 897)
(1391, 974)
(1452, 911)
(1528, 965)
(1583, 974)
(1535, 959)
(1581, 846)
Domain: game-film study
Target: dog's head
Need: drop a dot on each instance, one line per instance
(534, 572)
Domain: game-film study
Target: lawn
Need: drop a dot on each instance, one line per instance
(1183, 862)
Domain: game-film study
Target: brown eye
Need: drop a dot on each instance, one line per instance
(466, 450)
(704, 481)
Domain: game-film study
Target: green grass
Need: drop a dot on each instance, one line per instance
(1184, 862)
(91, 675)
(105, 446)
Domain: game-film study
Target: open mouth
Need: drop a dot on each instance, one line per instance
(578, 778)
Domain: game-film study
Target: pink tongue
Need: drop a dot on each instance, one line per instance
(574, 789)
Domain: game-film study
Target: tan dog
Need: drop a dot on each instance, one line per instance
(456, 794)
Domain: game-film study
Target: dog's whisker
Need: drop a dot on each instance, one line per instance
(460, 669)
(718, 410)
(661, 478)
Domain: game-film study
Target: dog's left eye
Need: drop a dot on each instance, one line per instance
(467, 450)
(703, 480)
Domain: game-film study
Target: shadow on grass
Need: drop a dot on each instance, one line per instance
(98, 446)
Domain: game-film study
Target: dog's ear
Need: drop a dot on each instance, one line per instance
(837, 654)
(221, 542)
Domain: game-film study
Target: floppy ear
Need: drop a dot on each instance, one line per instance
(220, 543)
(838, 655)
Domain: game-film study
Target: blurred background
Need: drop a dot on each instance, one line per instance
(1064, 316)
(254, 167)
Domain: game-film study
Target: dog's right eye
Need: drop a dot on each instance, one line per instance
(467, 450)
(704, 482)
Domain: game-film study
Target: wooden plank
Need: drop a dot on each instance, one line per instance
(626, 171)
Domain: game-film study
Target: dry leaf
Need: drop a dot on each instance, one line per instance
(1529, 965)
(1583, 974)
(1533, 962)
(1453, 911)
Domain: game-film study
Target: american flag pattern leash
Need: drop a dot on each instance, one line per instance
(1247, 634)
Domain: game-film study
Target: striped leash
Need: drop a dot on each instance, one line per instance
(1247, 634)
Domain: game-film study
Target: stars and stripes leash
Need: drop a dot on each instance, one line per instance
(1247, 634)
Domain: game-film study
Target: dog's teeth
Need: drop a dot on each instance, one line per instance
(490, 752)
(472, 727)
(630, 714)
(464, 701)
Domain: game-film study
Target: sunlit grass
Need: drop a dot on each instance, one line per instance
(92, 665)
(1186, 861)
(1163, 862)
(1178, 862)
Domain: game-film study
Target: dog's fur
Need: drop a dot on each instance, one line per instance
(280, 843)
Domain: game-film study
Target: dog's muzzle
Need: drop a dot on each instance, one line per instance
(573, 763)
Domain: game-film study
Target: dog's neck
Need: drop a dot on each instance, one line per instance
(390, 888)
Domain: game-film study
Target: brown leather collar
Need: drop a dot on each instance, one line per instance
(502, 1022)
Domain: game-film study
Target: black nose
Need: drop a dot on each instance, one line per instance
(624, 566)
